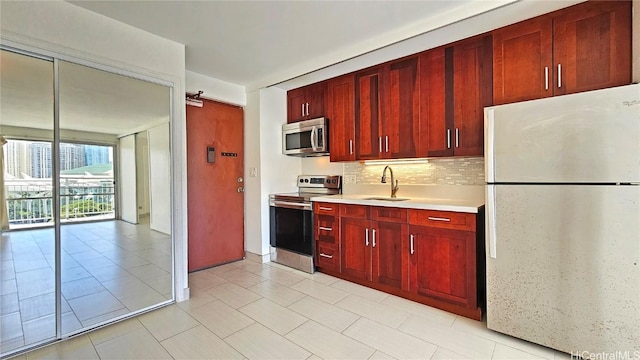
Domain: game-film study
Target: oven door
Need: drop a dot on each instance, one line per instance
(292, 226)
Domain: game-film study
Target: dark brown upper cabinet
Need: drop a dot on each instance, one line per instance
(580, 48)
(307, 102)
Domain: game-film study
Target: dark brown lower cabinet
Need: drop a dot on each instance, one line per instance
(443, 265)
(432, 257)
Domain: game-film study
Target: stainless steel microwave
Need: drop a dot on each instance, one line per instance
(306, 138)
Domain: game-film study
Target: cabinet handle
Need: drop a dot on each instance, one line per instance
(326, 256)
(433, 218)
(325, 208)
(448, 138)
(366, 237)
(307, 109)
(325, 228)
(457, 137)
(386, 143)
(412, 250)
(546, 78)
(373, 243)
(302, 112)
(559, 76)
(379, 143)
(350, 147)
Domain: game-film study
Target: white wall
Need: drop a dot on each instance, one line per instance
(58, 28)
(127, 182)
(264, 115)
(142, 172)
(321, 166)
(215, 89)
(159, 178)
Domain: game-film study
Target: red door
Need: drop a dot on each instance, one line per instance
(215, 184)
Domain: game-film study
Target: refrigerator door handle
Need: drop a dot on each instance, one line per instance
(488, 144)
(491, 220)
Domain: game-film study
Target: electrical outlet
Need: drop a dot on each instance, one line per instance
(349, 179)
(253, 172)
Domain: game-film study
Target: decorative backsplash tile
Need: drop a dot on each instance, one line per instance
(449, 171)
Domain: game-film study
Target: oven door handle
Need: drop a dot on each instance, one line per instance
(292, 205)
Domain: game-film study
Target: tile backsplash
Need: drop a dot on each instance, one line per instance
(449, 171)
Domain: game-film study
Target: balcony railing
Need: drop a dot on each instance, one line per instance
(30, 201)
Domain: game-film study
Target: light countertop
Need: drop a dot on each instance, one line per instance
(471, 205)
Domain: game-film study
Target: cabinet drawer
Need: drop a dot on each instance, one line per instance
(326, 208)
(354, 211)
(443, 219)
(388, 214)
(327, 228)
(327, 256)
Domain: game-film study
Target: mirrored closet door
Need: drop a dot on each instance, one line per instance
(99, 179)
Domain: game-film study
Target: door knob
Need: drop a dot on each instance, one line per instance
(240, 189)
(240, 179)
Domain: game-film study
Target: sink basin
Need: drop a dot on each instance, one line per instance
(387, 199)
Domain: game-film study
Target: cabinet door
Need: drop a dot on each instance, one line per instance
(340, 111)
(592, 47)
(472, 81)
(522, 61)
(443, 264)
(390, 260)
(401, 122)
(356, 252)
(435, 131)
(315, 100)
(295, 105)
(368, 111)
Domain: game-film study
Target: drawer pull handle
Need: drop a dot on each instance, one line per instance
(433, 218)
(325, 228)
(325, 208)
(326, 256)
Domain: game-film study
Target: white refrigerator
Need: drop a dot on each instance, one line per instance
(563, 221)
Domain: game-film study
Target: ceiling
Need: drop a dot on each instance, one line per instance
(260, 43)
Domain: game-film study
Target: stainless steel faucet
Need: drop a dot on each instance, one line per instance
(394, 188)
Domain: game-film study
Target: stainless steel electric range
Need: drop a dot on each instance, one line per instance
(291, 220)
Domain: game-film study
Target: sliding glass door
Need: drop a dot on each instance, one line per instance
(70, 260)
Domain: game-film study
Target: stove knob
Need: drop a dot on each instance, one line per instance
(301, 180)
(306, 180)
(333, 181)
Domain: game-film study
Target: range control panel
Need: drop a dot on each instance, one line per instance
(320, 181)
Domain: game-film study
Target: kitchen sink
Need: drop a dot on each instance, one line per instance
(386, 199)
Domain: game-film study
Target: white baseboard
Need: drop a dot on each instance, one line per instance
(183, 295)
(257, 258)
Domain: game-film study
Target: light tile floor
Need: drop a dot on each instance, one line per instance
(247, 310)
(109, 269)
